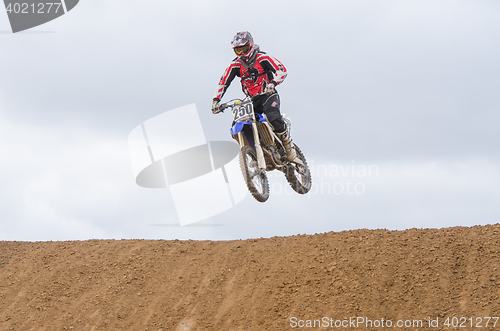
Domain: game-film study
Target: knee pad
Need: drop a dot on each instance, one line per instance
(278, 124)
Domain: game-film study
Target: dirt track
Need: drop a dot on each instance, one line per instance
(258, 284)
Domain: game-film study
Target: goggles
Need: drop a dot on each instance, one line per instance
(242, 49)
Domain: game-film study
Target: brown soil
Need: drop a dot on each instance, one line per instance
(260, 284)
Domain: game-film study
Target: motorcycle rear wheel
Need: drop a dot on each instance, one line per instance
(299, 177)
(255, 178)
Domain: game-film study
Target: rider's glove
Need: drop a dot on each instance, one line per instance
(215, 107)
(269, 89)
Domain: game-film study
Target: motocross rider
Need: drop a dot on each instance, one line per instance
(259, 74)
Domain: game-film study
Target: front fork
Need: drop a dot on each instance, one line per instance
(260, 154)
(258, 148)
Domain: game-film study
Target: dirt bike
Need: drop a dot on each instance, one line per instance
(261, 150)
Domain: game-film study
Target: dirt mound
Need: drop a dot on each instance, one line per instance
(413, 279)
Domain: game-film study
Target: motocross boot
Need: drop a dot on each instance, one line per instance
(287, 143)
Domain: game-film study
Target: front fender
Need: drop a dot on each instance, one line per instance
(238, 127)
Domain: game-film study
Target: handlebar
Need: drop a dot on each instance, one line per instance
(231, 103)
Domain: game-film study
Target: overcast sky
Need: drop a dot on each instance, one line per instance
(408, 89)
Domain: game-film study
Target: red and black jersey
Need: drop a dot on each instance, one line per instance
(254, 78)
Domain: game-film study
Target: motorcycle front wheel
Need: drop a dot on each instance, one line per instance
(255, 178)
(298, 176)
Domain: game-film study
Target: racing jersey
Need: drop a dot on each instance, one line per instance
(254, 78)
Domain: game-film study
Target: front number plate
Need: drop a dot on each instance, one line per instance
(242, 111)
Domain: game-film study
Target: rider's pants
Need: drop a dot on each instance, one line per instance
(269, 104)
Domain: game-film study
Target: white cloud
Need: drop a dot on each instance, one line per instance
(62, 181)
